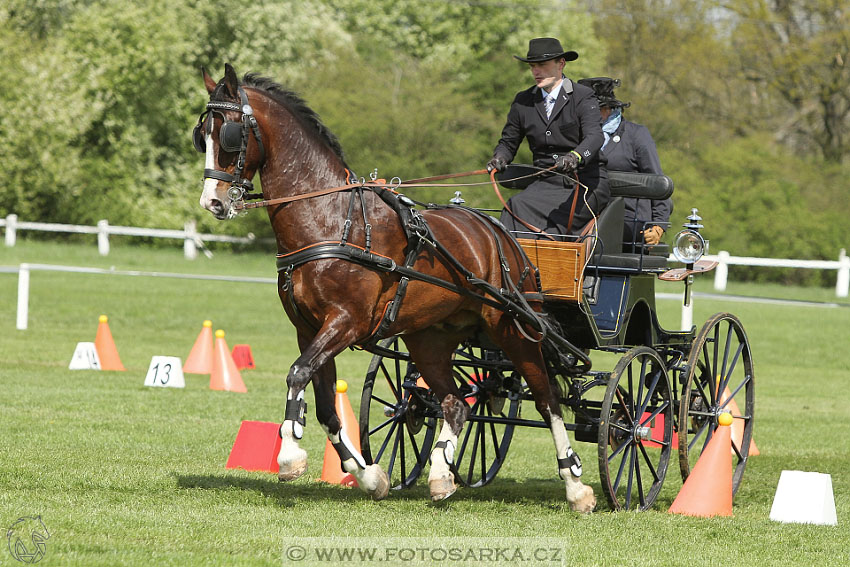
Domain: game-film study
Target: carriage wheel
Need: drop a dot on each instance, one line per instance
(494, 395)
(719, 361)
(635, 430)
(397, 425)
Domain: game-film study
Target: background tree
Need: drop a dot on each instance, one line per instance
(748, 101)
(796, 52)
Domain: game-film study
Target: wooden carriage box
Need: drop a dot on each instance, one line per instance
(561, 266)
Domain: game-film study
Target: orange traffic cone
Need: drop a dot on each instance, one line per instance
(105, 346)
(225, 375)
(738, 425)
(200, 359)
(256, 447)
(331, 467)
(708, 490)
(242, 357)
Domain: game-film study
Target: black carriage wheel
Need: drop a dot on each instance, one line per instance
(494, 394)
(719, 361)
(634, 447)
(397, 428)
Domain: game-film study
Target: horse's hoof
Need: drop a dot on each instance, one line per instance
(441, 488)
(382, 488)
(292, 469)
(585, 502)
(374, 482)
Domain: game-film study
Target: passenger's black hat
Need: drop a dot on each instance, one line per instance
(604, 89)
(545, 48)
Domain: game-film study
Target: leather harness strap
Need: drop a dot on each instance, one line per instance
(573, 206)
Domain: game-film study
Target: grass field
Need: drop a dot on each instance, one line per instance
(123, 474)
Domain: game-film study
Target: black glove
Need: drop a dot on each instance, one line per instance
(567, 163)
(496, 163)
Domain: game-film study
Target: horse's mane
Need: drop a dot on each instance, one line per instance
(298, 107)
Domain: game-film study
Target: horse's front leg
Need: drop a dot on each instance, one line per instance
(292, 459)
(316, 352)
(316, 364)
(370, 478)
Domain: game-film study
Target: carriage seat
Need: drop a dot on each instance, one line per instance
(610, 251)
(562, 263)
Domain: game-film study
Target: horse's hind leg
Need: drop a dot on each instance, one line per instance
(432, 351)
(528, 360)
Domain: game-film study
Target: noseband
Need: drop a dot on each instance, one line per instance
(240, 188)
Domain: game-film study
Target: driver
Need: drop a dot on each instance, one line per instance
(561, 121)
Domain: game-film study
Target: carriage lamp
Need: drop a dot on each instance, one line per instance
(689, 245)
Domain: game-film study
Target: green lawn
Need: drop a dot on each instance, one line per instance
(123, 474)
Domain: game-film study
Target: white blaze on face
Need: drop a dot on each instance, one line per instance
(209, 192)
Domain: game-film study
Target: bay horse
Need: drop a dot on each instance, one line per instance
(338, 300)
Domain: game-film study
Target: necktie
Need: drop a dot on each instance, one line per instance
(549, 103)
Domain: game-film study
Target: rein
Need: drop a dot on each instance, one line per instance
(420, 182)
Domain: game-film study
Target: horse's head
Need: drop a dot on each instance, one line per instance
(229, 135)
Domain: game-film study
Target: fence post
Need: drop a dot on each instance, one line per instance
(23, 296)
(11, 227)
(190, 251)
(841, 286)
(103, 237)
(688, 316)
(721, 272)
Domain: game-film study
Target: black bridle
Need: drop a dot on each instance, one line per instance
(233, 137)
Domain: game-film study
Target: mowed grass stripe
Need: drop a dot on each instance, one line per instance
(128, 475)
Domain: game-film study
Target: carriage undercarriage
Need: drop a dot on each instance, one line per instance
(664, 393)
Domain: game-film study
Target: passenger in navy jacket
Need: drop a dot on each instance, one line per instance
(561, 121)
(630, 147)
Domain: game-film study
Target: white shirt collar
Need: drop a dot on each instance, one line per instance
(556, 90)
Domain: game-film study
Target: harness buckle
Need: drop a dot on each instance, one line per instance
(346, 229)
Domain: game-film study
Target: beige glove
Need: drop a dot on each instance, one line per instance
(653, 234)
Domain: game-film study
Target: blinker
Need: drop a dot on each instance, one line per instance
(229, 136)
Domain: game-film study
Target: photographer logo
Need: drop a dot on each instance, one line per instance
(27, 539)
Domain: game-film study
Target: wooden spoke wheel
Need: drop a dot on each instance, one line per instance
(635, 430)
(494, 393)
(719, 378)
(398, 418)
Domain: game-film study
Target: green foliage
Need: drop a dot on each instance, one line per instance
(796, 56)
(760, 200)
(102, 95)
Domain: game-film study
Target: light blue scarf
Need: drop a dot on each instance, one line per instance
(610, 126)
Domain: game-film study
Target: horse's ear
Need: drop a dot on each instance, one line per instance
(231, 82)
(208, 81)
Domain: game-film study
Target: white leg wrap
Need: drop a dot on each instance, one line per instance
(579, 495)
(440, 478)
(349, 456)
(292, 459)
(370, 478)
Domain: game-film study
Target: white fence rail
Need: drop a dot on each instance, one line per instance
(24, 287)
(25, 269)
(192, 240)
(724, 260)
